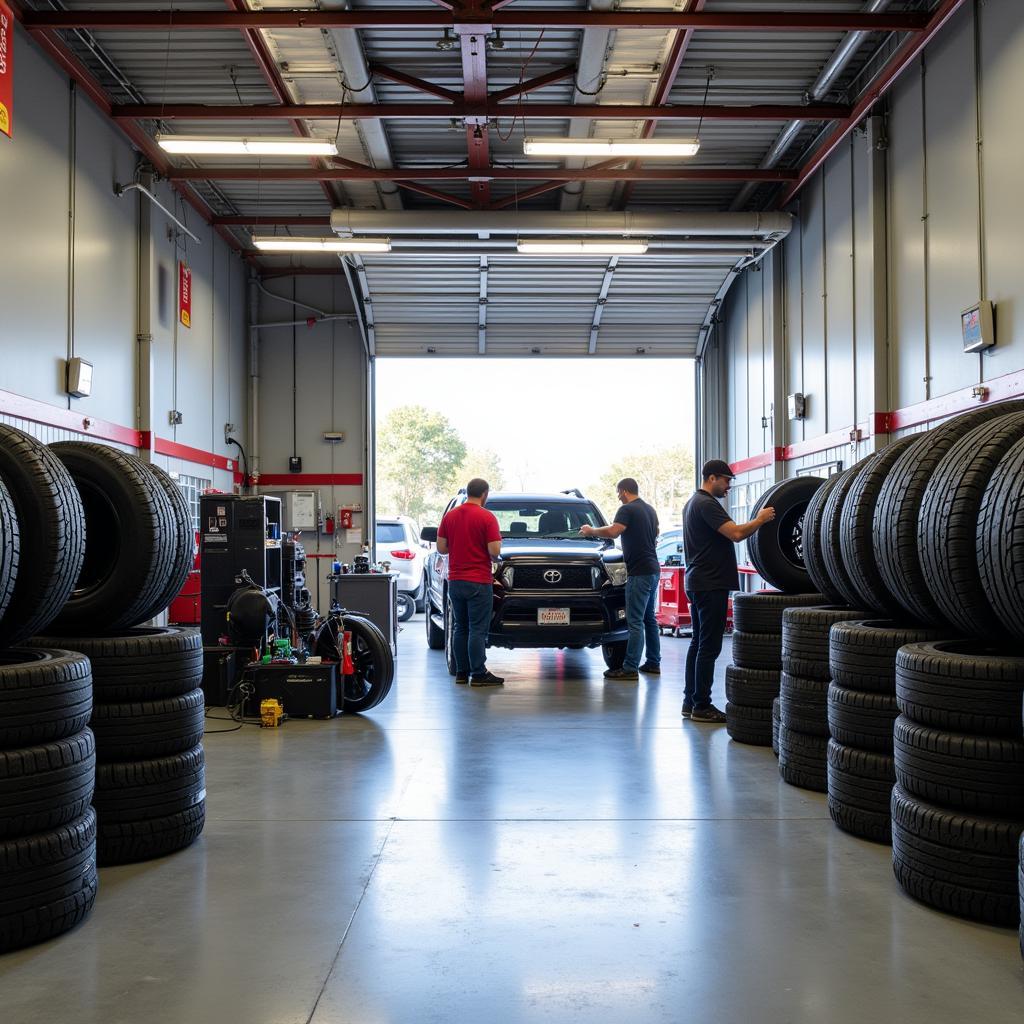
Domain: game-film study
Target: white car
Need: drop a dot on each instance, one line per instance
(398, 542)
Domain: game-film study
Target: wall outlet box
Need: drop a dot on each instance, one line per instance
(79, 378)
(796, 405)
(175, 418)
(294, 464)
(334, 436)
(978, 327)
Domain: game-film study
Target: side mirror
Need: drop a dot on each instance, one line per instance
(429, 534)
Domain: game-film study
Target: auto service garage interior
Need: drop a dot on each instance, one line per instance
(223, 798)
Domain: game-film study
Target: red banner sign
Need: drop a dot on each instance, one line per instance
(6, 70)
(185, 295)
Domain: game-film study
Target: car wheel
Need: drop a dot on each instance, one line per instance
(406, 607)
(777, 550)
(449, 638)
(435, 635)
(614, 654)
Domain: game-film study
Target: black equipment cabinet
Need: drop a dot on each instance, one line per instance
(236, 533)
(306, 691)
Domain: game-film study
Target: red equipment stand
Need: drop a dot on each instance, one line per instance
(673, 610)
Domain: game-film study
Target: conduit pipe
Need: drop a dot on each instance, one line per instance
(119, 190)
(836, 65)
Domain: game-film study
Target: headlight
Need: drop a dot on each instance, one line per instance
(506, 574)
(616, 573)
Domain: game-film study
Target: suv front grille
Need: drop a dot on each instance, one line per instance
(572, 577)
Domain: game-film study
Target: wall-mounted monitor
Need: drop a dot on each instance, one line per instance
(978, 327)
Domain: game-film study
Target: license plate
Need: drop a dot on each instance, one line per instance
(552, 616)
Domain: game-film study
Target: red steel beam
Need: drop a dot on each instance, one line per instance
(473, 43)
(558, 75)
(901, 59)
(401, 174)
(483, 109)
(394, 75)
(744, 21)
(666, 81)
(433, 193)
(550, 186)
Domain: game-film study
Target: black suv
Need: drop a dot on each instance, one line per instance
(552, 588)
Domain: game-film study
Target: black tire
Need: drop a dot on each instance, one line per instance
(776, 721)
(10, 548)
(962, 864)
(131, 545)
(435, 635)
(856, 545)
(184, 536)
(44, 787)
(894, 530)
(757, 650)
(862, 653)
(143, 730)
(128, 842)
(761, 612)
(805, 638)
(1000, 541)
(967, 773)
(141, 790)
(45, 695)
(374, 664)
(814, 557)
(831, 521)
(48, 882)
(51, 530)
(145, 663)
(751, 687)
(947, 529)
(777, 548)
(861, 720)
(449, 638)
(614, 654)
(803, 759)
(860, 792)
(961, 686)
(803, 705)
(406, 607)
(749, 725)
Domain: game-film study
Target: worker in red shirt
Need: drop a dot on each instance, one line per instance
(469, 535)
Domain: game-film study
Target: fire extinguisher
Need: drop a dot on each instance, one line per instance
(345, 518)
(348, 668)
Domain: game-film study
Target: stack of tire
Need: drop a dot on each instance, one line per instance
(148, 705)
(48, 879)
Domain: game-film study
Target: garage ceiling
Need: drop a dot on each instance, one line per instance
(429, 102)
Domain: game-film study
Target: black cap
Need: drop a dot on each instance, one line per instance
(716, 467)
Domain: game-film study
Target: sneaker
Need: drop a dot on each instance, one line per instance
(687, 711)
(461, 677)
(487, 679)
(650, 669)
(623, 675)
(709, 714)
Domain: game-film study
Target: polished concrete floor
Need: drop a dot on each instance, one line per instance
(560, 850)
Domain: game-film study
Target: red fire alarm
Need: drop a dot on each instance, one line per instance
(345, 517)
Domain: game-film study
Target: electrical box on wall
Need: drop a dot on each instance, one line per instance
(294, 464)
(300, 510)
(797, 406)
(978, 327)
(79, 378)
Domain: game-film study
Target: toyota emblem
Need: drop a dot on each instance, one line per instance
(552, 576)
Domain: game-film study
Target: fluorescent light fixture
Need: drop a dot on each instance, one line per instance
(267, 145)
(611, 147)
(282, 243)
(582, 246)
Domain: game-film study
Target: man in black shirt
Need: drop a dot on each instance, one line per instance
(637, 523)
(709, 536)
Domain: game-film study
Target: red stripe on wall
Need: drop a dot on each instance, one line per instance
(310, 479)
(757, 461)
(184, 452)
(67, 419)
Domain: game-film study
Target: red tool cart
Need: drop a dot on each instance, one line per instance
(673, 610)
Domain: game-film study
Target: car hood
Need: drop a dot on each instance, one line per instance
(554, 549)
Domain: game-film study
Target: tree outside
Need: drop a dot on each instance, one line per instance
(665, 477)
(484, 463)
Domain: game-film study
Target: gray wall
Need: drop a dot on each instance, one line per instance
(70, 258)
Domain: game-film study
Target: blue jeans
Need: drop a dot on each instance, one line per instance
(641, 595)
(708, 610)
(472, 604)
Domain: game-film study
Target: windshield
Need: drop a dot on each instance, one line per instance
(390, 533)
(551, 520)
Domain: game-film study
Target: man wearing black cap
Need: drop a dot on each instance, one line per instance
(709, 536)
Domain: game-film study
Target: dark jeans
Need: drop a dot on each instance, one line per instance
(641, 597)
(472, 604)
(707, 612)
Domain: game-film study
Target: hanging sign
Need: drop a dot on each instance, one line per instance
(6, 70)
(184, 294)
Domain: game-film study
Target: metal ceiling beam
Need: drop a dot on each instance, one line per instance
(602, 300)
(402, 174)
(433, 193)
(473, 42)
(480, 109)
(394, 75)
(728, 21)
(901, 59)
(558, 75)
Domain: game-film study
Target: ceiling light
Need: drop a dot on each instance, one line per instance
(267, 145)
(610, 147)
(283, 243)
(582, 246)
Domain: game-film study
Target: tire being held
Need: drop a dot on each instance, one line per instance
(777, 548)
(45, 695)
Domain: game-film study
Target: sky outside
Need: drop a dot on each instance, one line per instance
(555, 423)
